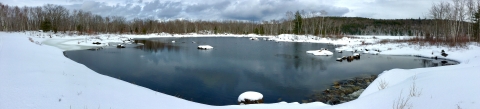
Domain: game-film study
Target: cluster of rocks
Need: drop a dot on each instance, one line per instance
(342, 91)
(98, 43)
(355, 56)
(120, 46)
(247, 101)
(442, 53)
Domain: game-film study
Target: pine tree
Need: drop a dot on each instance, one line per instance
(256, 31)
(215, 30)
(297, 23)
(80, 29)
(476, 25)
(46, 25)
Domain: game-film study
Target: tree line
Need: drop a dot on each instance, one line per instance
(445, 20)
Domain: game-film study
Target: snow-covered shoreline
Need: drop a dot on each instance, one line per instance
(39, 76)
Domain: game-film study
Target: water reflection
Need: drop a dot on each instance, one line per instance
(435, 62)
(156, 45)
(235, 65)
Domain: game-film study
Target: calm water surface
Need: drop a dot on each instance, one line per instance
(216, 77)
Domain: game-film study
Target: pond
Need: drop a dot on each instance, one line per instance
(280, 71)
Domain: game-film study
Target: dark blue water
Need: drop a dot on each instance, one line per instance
(235, 65)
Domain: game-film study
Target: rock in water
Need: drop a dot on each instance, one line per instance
(204, 47)
(250, 97)
(120, 46)
(444, 54)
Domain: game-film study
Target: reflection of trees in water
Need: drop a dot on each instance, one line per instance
(428, 63)
(317, 63)
(310, 64)
(155, 46)
(296, 60)
(435, 63)
(296, 47)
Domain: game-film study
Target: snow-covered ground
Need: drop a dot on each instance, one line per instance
(35, 75)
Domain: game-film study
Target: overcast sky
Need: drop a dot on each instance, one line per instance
(240, 9)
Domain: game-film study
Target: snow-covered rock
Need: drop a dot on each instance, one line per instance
(356, 54)
(320, 52)
(374, 52)
(323, 52)
(120, 46)
(205, 47)
(341, 49)
(250, 97)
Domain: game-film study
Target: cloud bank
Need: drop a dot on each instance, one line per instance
(252, 10)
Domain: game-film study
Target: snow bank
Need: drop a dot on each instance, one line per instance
(38, 76)
(434, 88)
(342, 41)
(383, 37)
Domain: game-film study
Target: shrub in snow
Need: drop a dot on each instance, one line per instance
(250, 97)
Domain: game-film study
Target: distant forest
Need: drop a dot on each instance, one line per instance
(445, 20)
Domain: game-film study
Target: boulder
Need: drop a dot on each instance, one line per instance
(120, 46)
(250, 97)
(444, 54)
(204, 47)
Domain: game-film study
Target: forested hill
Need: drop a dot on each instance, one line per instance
(368, 26)
(441, 24)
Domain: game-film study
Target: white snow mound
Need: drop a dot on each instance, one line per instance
(250, 95)
(205, 47)
(320, 52)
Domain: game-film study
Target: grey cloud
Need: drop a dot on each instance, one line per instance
(392, 9)
(241, 9)
(271, 9)
(159, 9)
(205, 6)
(151, 9)
(75, 0)
(255, 10)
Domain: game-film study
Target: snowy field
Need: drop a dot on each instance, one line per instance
(35, 74)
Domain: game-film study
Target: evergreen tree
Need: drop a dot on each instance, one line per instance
(215, 30)
(297, 23)
(261, 31)
(46, 25)
(136, 30)
(80, 29)
(476, 25)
